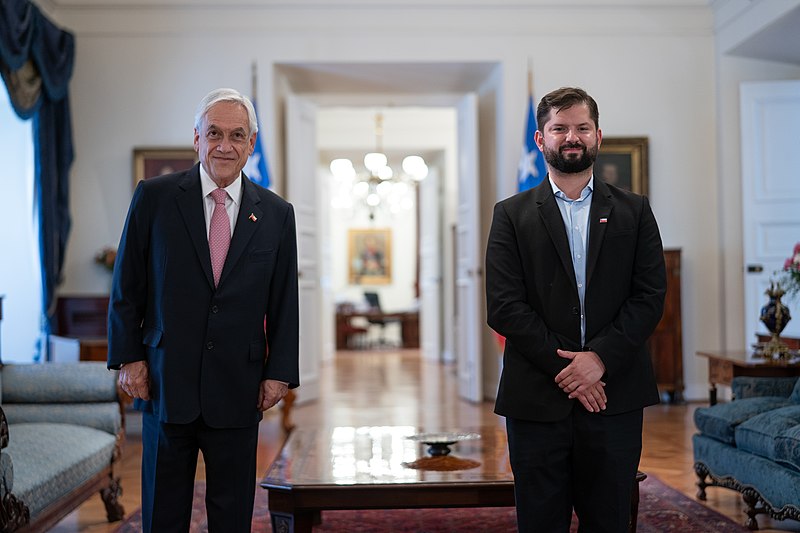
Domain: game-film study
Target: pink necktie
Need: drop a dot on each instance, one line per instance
(219, 233)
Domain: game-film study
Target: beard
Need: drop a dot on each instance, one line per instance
(571, 164)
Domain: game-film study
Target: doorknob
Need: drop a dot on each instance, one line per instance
(755, 269)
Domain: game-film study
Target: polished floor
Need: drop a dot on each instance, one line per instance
(395, 387)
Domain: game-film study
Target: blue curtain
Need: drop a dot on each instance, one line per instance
(36, 60)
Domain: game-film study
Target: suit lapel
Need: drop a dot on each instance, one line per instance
(554, 224)
(599, 214)
(248, 221)
(190, 205)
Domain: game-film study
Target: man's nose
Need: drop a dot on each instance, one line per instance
(224, 145)
(572, 135)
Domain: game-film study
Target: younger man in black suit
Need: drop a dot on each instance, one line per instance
(575, 281)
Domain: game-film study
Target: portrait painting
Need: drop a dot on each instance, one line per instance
(622, 161)
(370, 256)
(151, 162)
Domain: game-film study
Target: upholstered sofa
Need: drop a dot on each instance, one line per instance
(61, 432)
(752, 445)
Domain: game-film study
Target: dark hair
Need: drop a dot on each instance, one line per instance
(564, 98)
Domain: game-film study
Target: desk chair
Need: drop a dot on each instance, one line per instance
(374, 303)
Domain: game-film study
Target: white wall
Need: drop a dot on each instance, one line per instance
(735, 23)
(140, 72)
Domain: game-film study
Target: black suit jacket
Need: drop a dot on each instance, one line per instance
(206, 347)
(532, 299)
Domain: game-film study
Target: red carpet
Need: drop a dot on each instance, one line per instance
(661, 509)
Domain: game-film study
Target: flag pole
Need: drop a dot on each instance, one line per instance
(254, 79)
(530, 77)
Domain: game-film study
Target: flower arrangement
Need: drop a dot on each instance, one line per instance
(106, 257)
(790, 278)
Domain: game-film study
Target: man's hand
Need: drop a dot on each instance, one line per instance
(581, 379)
(270, 393)
(134, 379)
(594, 398)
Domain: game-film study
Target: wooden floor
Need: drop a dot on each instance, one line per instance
(363, 388)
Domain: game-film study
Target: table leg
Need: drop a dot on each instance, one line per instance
(298, 522)
(712, 394)
(286, 411)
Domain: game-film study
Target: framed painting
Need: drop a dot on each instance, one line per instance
(369, 255)
(151, 162)
(622, 161)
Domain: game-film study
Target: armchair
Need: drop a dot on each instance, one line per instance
(61, 435)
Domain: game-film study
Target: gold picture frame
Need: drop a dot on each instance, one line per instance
(622, 161)
(369, 256)
(151, 162)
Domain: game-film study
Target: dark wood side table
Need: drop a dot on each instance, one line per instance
(724, 365)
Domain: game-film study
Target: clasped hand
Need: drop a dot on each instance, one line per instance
(581, 379)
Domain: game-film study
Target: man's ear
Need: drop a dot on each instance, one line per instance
(539, 139)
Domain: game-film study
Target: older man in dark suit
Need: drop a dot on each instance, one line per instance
(575, 281)
(203, 320)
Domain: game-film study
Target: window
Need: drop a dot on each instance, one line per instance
(20, 269)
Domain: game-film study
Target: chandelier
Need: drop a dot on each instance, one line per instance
(379, 186)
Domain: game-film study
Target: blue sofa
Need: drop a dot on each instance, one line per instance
(61, 432)
(752, 445)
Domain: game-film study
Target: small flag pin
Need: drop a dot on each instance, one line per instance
(602, 220)
(252, 217)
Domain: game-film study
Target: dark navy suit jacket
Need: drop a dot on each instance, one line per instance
(206, 347)
(532, 299)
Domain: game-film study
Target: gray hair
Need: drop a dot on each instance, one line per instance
(226, 95)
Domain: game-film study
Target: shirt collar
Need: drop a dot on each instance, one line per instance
(234, 190)
(558, 193)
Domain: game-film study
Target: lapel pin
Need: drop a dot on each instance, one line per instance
(252, 217)
(602, 220)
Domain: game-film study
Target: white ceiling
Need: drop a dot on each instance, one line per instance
(386, 78)
(779, 41)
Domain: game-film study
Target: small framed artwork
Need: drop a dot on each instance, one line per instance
(151, 162)
(622, 161)
(369, 254)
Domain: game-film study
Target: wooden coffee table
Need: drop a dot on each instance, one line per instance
(362, 468)
(724, 365)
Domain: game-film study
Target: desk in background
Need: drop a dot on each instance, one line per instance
(409, 324)
(80, 331)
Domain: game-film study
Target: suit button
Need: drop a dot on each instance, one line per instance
(575, 311)
(210, 345)
(214, 309)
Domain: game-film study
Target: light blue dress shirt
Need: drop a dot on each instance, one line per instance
(575, 214)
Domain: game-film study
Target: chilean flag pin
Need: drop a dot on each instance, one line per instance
(252, 217)
(603, 220)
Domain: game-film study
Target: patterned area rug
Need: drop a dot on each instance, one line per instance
(661, 509)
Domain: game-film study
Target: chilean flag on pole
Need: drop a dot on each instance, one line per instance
(256, 166)
(531, 169)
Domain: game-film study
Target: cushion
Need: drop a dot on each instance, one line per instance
(720, 421)
(758, 434)
(787, 447)
(749, 387)
(51, 460)
(105, 416)
(795, 397)
(58, 382)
